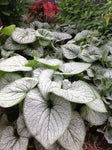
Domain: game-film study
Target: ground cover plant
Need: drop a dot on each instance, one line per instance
(86, 14)
(51, 85)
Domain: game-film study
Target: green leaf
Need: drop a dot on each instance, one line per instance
(31, 63)
(2, 2)
(6, 13)
(46, 120)
(71, 51)
(15, 63)
(9, 141)
(73, 68)
(74, 136)
(80, 92)
(50, 63)
(29, 1)
(93, 117)
(8, 30)
(15, 92)
(13, 46)
(24, 36)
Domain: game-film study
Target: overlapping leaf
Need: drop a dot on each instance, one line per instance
(50, 63)
(93, 117)
(81, 92)
(10, 45)
(45, 83)
(15, 92)
(15, 63)
(46, 120)
(97, 104)
(8, 78)
(59, 36)
(71, 51)
(73, 68)
(10, 142)
(74, 136)
(24, 36)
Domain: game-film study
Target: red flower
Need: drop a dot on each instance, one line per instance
(37, 6)
(50, 9)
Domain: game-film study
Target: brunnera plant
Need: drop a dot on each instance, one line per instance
(47, 90)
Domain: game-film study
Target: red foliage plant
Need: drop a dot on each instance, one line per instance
(49, 9)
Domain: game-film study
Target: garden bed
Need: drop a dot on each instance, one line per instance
(56, 80)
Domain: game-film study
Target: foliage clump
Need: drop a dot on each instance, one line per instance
(57, 82)
(88, 14)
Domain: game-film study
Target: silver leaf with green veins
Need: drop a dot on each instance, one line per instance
(46, 121)
(93, 117)
(5, 53)
(79, 93)
(45, 34)
(13, 46)
(59, 36)
(36, 73)
(21, 127)
(73, 68)
(9, 141)
(15, 92)
(74, 136)
(45, 83)
(97, 104)
(24, 36)
(15, 63)
(8, 78)
(71, 51)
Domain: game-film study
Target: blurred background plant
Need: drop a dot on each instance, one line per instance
(12, 10)
(42, 10)
(88, 14)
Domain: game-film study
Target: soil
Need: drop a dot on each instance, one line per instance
(94, 141)
(99, 144)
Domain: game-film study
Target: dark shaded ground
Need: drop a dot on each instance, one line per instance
(94, 141)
